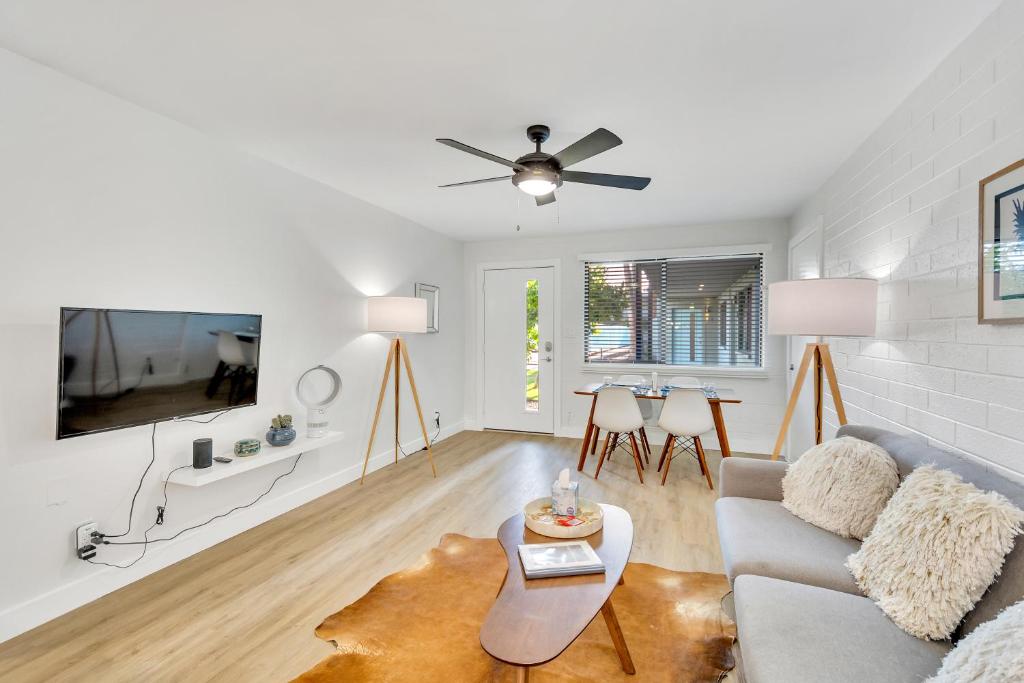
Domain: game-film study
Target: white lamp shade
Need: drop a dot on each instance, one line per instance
(396, 314)
(832, 307)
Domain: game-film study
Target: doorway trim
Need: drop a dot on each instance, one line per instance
(556, 333)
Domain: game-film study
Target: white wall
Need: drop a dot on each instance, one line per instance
(904, 209)
(751, 425)
(103, 204)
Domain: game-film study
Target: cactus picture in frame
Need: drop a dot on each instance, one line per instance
(1001, 246)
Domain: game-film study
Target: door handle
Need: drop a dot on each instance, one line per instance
(547, 359)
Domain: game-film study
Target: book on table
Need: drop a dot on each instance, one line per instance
(567, 558)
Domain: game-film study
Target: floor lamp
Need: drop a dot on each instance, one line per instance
(833, 307)
(397, 314)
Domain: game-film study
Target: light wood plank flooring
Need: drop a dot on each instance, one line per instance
(245, 609)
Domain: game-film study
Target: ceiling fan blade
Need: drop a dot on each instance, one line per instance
(477, 182)
(626, 182)
(601, 140)
(548, 198)
(480, 153)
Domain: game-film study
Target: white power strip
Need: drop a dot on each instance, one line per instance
(83, 535)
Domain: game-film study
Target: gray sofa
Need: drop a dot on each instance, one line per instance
(799, 614)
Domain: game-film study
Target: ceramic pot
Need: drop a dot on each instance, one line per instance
(281, 437)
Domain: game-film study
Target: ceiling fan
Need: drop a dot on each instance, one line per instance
(539, 173)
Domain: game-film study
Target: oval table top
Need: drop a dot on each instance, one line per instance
(534, 620)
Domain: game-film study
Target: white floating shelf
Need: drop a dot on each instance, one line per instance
(268, 455)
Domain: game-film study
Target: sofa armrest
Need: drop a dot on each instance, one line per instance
(750, 478)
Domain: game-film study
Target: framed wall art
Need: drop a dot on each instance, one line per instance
(432, 293)
(1001, 246)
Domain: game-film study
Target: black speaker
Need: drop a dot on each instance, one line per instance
(202, 453)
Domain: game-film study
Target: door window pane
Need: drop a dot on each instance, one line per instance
(532, 349)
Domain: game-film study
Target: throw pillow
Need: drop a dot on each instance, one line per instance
(934, 550)
(993, 653)
(841, 485)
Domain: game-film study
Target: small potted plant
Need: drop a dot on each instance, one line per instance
(281, 432)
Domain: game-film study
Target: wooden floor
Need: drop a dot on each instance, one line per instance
(245, 609)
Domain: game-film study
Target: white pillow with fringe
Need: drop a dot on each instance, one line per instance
(841, 486)
(936, 548)
(993, 653)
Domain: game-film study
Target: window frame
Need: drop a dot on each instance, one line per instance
(762, 250)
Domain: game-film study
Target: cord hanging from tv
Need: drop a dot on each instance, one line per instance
(123, 368)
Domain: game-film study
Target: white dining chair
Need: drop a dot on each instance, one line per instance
(646, 408)
(618, 414)
(682, 382)
(685, 416)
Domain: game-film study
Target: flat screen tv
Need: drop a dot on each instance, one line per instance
(123, 368)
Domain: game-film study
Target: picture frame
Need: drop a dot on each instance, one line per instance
(432, 294)
(1001, 246)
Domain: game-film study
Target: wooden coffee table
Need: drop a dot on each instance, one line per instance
(533, 621)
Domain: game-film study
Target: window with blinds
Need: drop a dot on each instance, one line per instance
(702, 310)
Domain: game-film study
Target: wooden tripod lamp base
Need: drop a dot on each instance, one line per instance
(397, 314)
(818, 355)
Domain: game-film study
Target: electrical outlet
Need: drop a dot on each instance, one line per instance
(83, 535)
(437, 419)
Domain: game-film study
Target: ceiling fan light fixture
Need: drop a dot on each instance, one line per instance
(536, 181)
(536, 186)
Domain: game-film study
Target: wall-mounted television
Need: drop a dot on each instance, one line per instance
(121, 368)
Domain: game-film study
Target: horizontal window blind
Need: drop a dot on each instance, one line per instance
(703, 310)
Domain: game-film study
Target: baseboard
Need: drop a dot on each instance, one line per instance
(41, 609)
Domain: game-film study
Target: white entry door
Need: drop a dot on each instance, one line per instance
(519, 353)
(804, 263)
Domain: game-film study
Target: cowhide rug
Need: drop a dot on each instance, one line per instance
(423, 624)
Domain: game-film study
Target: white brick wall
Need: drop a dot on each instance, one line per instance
(903, 209)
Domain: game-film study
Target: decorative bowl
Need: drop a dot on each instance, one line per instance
(246, 447)
(540, 519)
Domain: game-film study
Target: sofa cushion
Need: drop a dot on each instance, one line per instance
(841, 485)
(792, 633)
(910, 452)
(937, 546)
(993, 653)
(761, 537)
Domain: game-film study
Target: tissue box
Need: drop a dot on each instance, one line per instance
(565, 500)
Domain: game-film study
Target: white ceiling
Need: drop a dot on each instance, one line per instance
(736, 109)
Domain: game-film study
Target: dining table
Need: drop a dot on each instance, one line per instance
(716, 397)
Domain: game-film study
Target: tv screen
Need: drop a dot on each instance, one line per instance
(126, 368)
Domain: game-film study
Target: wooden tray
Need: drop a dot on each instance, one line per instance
(588, 509)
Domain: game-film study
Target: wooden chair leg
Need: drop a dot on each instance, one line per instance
(593, 440)
(703, 461)
(636, 457)
(645, 443)
(604, 451)
(670, 443)
(664, 450)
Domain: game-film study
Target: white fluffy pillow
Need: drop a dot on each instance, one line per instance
(841, 485)
(936, 547)
(993, 653)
